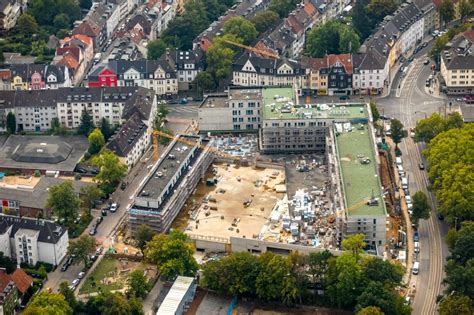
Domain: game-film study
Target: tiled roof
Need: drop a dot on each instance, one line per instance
(344, 59)
(22, 280)
(87, 28)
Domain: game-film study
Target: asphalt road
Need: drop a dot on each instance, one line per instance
(413, 103)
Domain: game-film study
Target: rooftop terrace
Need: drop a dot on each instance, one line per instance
(359, 179)
(282, 103)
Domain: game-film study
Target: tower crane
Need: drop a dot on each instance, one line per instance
(365, 202)
(253, 49)
(157, 134)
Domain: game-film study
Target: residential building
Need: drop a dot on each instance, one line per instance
(161, 14)
(113, 18)
(32, 240)
(315, 80)
(76, 53)
(370, 73)
(94, 25)
(339, 73)
(8, 294)
(179, 297)
(235, 111)
(187, 65)
(38, 77)
(457, 65)
(250, 70)
(431, 16)
(5, 79)
(10, 11)
(125, 7)
(170, 182)
(22, 282)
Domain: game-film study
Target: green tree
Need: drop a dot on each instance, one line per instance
(7, 263)
(96, 141)
(459, 278)
(143, 234)
(276, 280)
(349, 40)
(265, 20)
(83, 247)
(61, 21)
(370, 310)
(398, 131)
(383, 271)
(105, 128)
(111, 170)
(38, 47)
(219, 61)
(421, 207)
(389, 302)
(241, 28)
(438, 47)
(115, 304)
(451, 238)
(446, 11)
(428, 128)
(454, 120)
(360, 19)
(155, 49)
(27, 25)
(204, 81)
(64, 202)
(48, 303)
(86, 125)
(456, 305)
(332, 37)
(283, 7)
(161, 117)
(173, 254)
(377, 10)
(136, 306)
(89, 194)
(85, 4)
(138, 285)
(68, 294)
(11, 123)
(463, 251)
(318, 264)
(374, 110)
(56, 128)
(355, 244)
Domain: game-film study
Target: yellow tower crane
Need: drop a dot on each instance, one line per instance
(253, 49)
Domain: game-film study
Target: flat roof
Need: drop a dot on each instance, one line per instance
(244, 93)
(167, 167)
(282, 103)
(359, 180)
(215, 100)
(175, 296)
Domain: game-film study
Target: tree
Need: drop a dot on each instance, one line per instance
(349, 41)
(361, 20)
(86, 125)
(48, 303)
(354, 243)
(63, 201)
(265, 20)
(375, 111)
(155, 49)
(241, 28)
(421, 207)
(453, 121)
(451, 238)
(68, 294)
(370, 310)
(143, 234)
(332, 37)
(459, 278)
(463, 250)
(219, 61)
(111, 171)
(96, 141)
(61, 21)
(456, 304)
(105, 128)
(138, 285)
(85, 4)
(82, 248)
(464, 9)
(204, 81)
(89, 194)
(172, 253)
(318, 264)
(27, 25)
(398, 133)
(115, 304)
(11, 123)
(7, 263)
(389, 302)
(160, 118)
(38, 47)
(428, 128)
(383, 271)
(136, 306)
(446, 11)
(282, 7)
(56, 128)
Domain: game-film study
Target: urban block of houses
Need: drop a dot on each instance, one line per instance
(34, 77)
(75, 53)
(158, 75)
(31, 240)
(12, 289)
(457, 65)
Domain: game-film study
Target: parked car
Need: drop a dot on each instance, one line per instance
(81, 274)
(411, 58)
(93, 230)
(113, 207)
(99, 220)
(98, 251)
(427, 61)
(416, 237)
(64, 267)
(93, 258)
(123, 185)
(104, 212)
(421, 166)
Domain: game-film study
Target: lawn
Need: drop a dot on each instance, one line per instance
(112, 274)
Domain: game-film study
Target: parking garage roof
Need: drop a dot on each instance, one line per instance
(281, 103)
(167, 168)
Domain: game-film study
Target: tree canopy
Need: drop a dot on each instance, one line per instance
(446, 11)
(367, 14)
(143, 234)
(86, 125)
(11, 123)
(155, 49)
(82, 248)
(111, 170)
(89, 194)
(283, 7)
(333, 37)
(429, 127)
(138, 285)
(48, 303)
(398, 131)
(172, 253)
(421, 207)
(456, 304)
(96, 141)
(241, 28)
(63, 201)
(265, 20)
(354, 243)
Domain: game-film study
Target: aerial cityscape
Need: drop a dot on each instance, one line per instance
(265, 157)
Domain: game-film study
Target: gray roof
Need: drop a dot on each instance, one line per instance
(58, 153)
(459, 62)
(49, 232)
(371, 60)
(140, 102)
(25, 71)
(263, 65)
(123, 141)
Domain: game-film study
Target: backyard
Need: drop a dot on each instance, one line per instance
(111, 274)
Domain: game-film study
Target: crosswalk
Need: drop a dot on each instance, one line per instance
(183, 109)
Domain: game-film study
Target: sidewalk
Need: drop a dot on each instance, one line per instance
(151, 298)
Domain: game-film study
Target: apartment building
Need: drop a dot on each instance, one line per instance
(457, 65)
(31, 240)
(431, 15)
(370, 73)
(37, 77)
(251, 70)
(187, 65)
(235, 111)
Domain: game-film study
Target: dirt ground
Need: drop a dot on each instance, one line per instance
(235, 185)
(20, 180)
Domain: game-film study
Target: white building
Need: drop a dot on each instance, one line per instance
(370, 72)
(187, 64)
(32, 240)
(179, 297)
(161, 16)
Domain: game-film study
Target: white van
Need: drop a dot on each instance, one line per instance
(398, 160)
(417, 247)
(416, 268)
(404, 183)
(401, 171)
